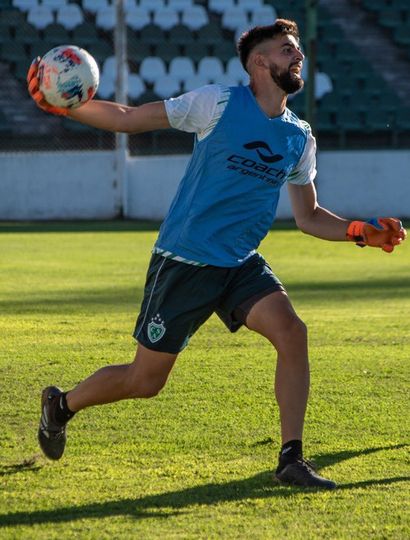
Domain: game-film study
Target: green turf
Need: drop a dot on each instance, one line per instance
(196, 462)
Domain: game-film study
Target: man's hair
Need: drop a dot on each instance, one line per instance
(258, 34)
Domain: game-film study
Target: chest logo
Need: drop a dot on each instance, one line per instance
(269, 157)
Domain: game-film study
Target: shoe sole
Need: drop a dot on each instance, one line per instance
(42, 439)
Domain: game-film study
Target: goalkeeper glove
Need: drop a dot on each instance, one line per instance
(37, 95)
(385, 233)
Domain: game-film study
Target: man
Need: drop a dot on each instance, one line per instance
(248, 144)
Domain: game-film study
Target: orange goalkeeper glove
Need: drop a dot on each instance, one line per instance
(385, 233)
(37, 95)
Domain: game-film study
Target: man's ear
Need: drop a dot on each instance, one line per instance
(260, 60)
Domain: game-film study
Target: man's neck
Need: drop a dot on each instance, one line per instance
(271, 99)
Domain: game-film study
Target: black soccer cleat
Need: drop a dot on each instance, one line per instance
(51, 434)
(302, 473)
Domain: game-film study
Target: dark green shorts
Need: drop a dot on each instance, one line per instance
(180, 297)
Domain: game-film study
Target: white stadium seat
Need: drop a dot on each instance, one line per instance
(70, 16)
(152, 5)
(106, 87)
(166, 87)
(105, 18)
(54, 4)
(152, 68)
(234, 18)
(94, 5)
(195, 17)
(109, 69)
(196, 81)
(180, 4)
(137, 18)
(136, 86)
(250, 5)
(235, 71)
(40, 17)
(25, 5)
(220, 6)
(166, 17)
(263, 15)
(181, 68)
(210, 68)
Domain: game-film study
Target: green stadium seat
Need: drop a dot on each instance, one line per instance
(56, 33)
(350, 121)
(138, 50)
(403, 120)
(390, 17)
(180, 34)
(41, 47)
(11, 18)
(379, 120)
(85, 34)
(152, 34)
(27, 34)
(100, 50)
(5, 127)
(402, 35)
(167, 51)
(197, 50)
(13, 52)
(210, 34)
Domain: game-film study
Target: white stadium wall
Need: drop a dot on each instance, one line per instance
(82, 185)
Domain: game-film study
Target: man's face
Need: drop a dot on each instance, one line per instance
(285, 63)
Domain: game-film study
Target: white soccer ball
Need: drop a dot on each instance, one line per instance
(68, 76)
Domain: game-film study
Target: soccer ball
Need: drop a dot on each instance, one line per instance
(68, 76)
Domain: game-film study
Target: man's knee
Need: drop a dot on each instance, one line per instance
(145, 388)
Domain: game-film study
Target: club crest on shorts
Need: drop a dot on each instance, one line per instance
(156, 328)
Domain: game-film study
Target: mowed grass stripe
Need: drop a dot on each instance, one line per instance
(197, 461)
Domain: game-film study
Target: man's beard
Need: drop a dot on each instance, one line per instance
(285, 81)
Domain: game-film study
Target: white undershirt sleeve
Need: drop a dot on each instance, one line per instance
(197, 111)
(305, 171)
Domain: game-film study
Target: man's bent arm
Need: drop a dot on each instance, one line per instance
(313, 219)
(112, 116)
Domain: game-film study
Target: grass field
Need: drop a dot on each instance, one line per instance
(196, 462)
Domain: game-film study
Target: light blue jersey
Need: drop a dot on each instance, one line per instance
(227, 199)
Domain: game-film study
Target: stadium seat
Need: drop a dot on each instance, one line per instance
(85, 34)
(195, 17)
(211, 34)
(101, 50)
(224, 51)
(137, 49)
(152, 34)
(262, 15)
(152, 4)
(106, 88)
(14, 52)
(136, 86)
(181, 68)
(40, 17)
(25, 5)
(220, 6)
(235, 71)
(41, 47)
(166, 17)
(234, 18)
(11, 19)
(94, 5)
(210, 68)
(179, 5)
(56, 33)
(137, 18)
(250, 5)
(26, 33)
(70, 16)
(109, 69)
(196, 81)
(166, 86)
(53, 4)
(152, 68)
(105, 18)
(402, 35)
(167, 51)
(181, 35)
(197, 50)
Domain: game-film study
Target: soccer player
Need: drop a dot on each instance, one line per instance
(248, 144)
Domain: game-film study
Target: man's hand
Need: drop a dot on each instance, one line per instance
(385, 233)
(37, 95)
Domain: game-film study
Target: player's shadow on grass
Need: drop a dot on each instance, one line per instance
(164, 505)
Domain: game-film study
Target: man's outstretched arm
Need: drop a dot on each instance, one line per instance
(385, 233)
(105, 115)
